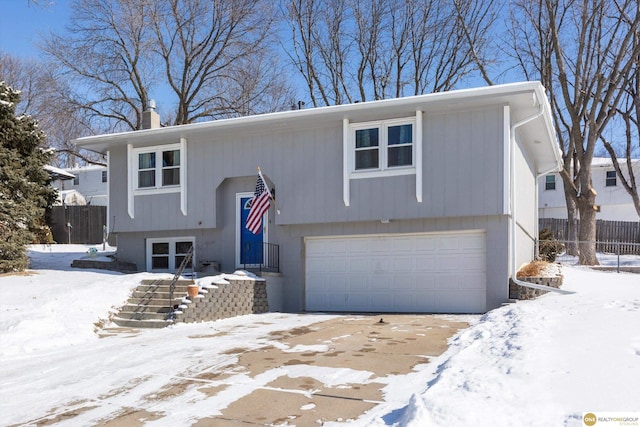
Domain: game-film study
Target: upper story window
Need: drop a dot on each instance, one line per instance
(611, 180)
(550, 182)
(104, 176)
(76, 179)
(157, 168)
(383, 147)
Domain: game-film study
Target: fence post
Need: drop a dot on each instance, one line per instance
(618, 252)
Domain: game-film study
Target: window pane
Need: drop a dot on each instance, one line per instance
(611, 179)
(146, 179)
(402, 134)
(171, 158)
(400, 156)
(367, 138)
(104, 176)
(183, 247)
(367, 159)
(171, 176)
(550, 182)
(179, 259)
(160, 262)
(146, 160)
(160, 248)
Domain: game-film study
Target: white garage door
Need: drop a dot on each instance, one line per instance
(422, 273)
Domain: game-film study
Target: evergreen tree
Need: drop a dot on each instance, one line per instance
(25, 193)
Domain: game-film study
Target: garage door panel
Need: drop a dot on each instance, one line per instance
(399, 245)
(425, 263)
(425, 245)
(358, 284)
(450, 262)
(401, 264)
(430, 272)
(381, 283)
(475, 263)
(402, 282)
(358, 264)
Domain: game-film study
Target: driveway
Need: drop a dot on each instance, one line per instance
(361, 351)
(271, 369)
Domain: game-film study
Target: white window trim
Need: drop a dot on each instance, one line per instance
(383, 168)
(349, 171)
(159, 188)
(132, 175)
(172, 241)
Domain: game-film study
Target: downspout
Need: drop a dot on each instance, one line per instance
(512, 187)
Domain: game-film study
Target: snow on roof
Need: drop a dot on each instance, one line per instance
(57, 173)
(606, 161)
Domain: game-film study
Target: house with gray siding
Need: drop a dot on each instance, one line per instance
(419, 204)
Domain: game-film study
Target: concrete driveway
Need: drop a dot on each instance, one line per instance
(250, 371)
(382, 345)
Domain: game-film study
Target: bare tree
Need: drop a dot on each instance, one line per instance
(206, 47)
(583, 52)
(107, 57)
(629, 113)
(45, 97)
(349, 50)
(117, 53)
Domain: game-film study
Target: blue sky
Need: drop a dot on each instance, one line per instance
(22, 22)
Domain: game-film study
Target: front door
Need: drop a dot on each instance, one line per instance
(250, 246)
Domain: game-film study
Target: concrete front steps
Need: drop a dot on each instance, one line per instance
(149, 306)
(222, 297)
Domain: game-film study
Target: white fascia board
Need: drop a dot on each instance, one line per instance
(383, 105)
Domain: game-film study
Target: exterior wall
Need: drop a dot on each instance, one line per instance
(525, 208)
(216, 246)
(615, 203)
(462, 163)
(90, 184)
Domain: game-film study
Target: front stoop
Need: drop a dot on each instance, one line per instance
(149, 306)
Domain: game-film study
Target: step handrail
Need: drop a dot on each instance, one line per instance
(176, 276)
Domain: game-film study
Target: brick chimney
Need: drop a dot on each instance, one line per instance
(150, 119)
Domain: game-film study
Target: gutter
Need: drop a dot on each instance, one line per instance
(512, 143)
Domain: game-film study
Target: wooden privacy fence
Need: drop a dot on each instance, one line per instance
(611, 236)
(78, 224)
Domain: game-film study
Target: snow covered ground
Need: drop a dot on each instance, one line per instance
(534, 363)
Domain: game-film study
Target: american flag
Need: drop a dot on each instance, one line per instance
(259, 206)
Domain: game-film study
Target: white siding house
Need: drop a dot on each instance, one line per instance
(614, 201)
(89, 181)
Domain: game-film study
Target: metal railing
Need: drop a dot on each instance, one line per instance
(621, 256)
(261, 256)
(185, 261)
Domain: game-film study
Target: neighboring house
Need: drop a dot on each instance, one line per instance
(89, 181)
(612, 198)
(418, 204)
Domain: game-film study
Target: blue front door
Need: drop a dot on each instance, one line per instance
(250, 244)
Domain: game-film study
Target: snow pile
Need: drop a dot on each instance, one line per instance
(541, 362)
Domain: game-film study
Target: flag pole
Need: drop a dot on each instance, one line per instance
(275, 204)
